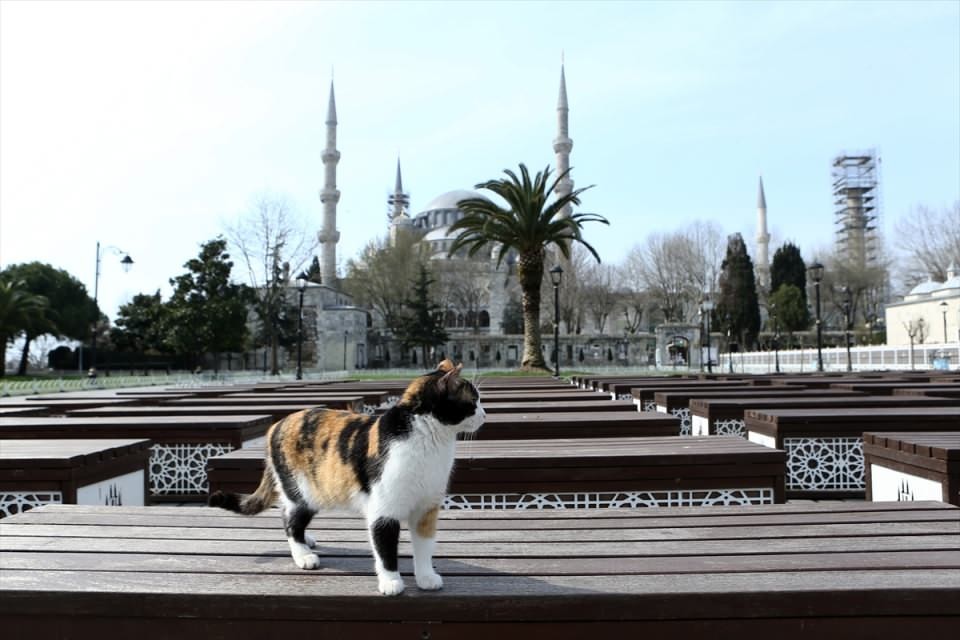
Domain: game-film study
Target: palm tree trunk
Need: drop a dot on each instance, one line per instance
(24, 356)
(530, 274)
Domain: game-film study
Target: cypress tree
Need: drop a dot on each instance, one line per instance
(737, 307)
(788, 267)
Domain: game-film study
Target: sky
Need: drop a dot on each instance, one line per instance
(152, 126)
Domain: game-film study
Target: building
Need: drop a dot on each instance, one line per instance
(930, 312)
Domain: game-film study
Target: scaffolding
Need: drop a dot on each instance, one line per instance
(856, 207)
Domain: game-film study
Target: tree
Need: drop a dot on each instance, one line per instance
(422, 325)
(273, 244)
(528, 225)
(599, 297)
(19, 310)
(788, 267)
(738, 309)
(374, 278)
(789, 306)
(207, 312)
(142, 325)
(313, 272)
(70, 312)
(929, 240)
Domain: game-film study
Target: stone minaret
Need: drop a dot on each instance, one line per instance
(330, 196)
(763, 242)
(562, 144)
(399, 203)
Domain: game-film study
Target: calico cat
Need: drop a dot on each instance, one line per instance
(393, 468)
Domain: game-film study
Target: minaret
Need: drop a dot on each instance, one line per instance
(399, 203)
(562, 144)
(330, 196)
(763, 242)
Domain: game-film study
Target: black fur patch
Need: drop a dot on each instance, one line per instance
(295, 523)
(228, 501)
(284, 475)
(308, 431)
(352, 447)
(386, 538)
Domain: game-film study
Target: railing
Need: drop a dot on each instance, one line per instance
(872, 358)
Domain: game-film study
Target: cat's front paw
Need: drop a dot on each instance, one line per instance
(430, 581)
(307, 561)
(390, 586)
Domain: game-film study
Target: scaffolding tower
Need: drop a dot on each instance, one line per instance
(856, 207)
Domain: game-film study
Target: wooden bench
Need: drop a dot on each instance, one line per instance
(677, 403)
(886, 388)
(350, 403)
(724, 416)
(922, 465)
(370, 400)
(178, 457)
(838, 570)
(93, 472)
(549, 406)
(60, 406)
(644, 396)
(276, 412)
(932, 390)
(581, 473)
(539, 395)
(825, 446)
(576, 424)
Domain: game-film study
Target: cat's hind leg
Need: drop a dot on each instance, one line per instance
(385, 539)
(423, 536)
(296, 517)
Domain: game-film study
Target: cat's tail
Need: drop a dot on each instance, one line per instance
(252, 504)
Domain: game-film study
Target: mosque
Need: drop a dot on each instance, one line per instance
(483, 332)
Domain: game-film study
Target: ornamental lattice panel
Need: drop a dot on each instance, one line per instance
(730, 427)
(824, 464)
(19, 501)
(612, 500)
(649, 405)
(684, 415)
(181, 469)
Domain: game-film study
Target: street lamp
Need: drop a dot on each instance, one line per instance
(943, 308)
(707, 307)
(556, 274)
(776, 338)
(126, 264)
(729, 350)
(848, 323)
(816, 273)
(301, 287)
(346, 332)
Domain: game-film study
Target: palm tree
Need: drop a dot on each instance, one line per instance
(529, 225)
(19, 310)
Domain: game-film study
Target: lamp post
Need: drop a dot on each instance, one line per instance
(943, 308)
(346, 332)
(126, 264)
(776, 338)
(301, 287)
(816, 273)
(707, 307)
(556, 275)
(729, 350)
(847, 323)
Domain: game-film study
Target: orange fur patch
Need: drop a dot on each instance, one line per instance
(427, 526)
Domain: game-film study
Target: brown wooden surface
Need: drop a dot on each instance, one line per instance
(643, 393)
(783, 571)
(734, 407)
(548, 406)
(161, 429)
(931, 390)
(351, 402)
(574, 465)
(276, 412)
(681, 399)
(607, 424)
(928, 454)
(847, 421)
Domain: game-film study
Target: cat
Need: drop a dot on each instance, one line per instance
(393, 468)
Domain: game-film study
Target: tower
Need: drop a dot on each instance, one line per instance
(855, 199)
(763, 242)
(399, 203)
(329, 197)
(562, 144)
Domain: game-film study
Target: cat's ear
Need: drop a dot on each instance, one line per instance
(446, 383)
(446, 366)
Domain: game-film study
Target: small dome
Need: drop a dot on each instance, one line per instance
(450, 199)
(440, 233)
(925, 288)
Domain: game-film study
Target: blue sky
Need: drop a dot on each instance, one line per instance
(149, 126)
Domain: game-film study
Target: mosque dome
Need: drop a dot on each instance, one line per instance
(450, 199)
(924, 289)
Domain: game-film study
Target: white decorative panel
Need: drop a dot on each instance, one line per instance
(824, 464)
(661, 408)
(699, 426)
(890, 485)
(759, 438)
(684, 415)
(15, 502)
(649, 405)
(181, 469)
(612, 500)
(121, 490)
(731, 427)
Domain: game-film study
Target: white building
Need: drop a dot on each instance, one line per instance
(931, 311)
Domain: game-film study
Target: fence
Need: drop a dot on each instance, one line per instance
(924, 356)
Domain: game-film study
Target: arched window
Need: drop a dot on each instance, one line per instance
(450, 319)
(484, 318)
(471, 319)
(460, 320)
